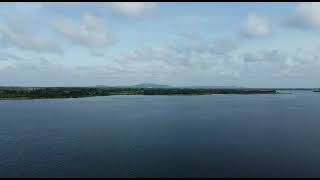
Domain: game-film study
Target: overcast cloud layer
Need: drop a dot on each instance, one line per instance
(88, 44)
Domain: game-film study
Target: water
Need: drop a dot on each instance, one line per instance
(162, 136)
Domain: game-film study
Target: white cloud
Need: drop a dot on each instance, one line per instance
(50, 72)
(5, 56)
(272, 56)
(29, 7)
(256, 26)
(282, 65)
(306, 15)
(132, 8)
(67, 3)
(90, 32)
(191, 57)
(17, 32)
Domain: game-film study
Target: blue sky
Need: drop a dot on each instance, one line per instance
(87, 44)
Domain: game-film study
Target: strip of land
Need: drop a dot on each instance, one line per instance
(78, 92)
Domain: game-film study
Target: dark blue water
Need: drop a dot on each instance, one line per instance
(162, 136)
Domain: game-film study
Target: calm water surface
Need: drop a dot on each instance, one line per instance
(162, 136)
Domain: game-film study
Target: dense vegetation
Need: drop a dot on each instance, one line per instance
(64, 92)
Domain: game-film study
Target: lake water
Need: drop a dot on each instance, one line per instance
(162, 136)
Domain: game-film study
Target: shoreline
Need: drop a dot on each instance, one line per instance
(52, 98)
(64, 93)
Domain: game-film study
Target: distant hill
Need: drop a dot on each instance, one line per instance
(142, 85)
(213, 87)
(151, 85)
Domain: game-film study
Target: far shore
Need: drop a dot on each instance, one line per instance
(64, 92)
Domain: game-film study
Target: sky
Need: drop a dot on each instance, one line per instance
(259, 45)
